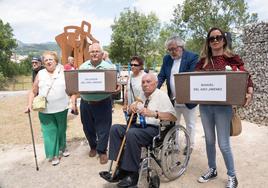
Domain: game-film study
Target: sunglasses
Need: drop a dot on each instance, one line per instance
(134, 65)
(217, 38)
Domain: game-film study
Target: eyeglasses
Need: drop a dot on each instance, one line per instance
(49, 59)
(94, 52)
(216, 38)
(173, 49)
(35, 62)
(134, 65)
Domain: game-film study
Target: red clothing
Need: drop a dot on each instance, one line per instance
(219, 63)
(68, 67)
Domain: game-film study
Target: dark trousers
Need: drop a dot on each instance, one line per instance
(97, 120)
(135, 139)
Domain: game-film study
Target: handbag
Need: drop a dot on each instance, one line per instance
(236, 125)
(39, 103)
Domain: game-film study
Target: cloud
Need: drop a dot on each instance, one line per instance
(36, 21)
(40, 21)
(162, 8)
(260, 7)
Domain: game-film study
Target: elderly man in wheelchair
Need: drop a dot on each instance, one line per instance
(126, 142)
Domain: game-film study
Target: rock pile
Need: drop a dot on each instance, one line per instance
(255, 56)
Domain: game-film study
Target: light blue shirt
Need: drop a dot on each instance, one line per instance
(95, 96)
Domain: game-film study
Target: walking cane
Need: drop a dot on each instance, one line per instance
(121, 148)
(30, 120)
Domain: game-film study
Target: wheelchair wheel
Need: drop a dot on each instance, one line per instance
(173, 159)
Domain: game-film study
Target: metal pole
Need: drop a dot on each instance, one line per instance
(30, 120)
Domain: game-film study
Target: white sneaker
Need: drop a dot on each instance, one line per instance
(66, 153)
(55, 161)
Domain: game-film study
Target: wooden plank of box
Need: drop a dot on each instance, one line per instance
(215, 87)
(90, 81)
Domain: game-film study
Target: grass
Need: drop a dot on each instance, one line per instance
(19, 83)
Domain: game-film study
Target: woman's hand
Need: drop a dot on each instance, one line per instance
(249, 96)
(248, 99)
(74, 109)
(28, 109)
(125, 107)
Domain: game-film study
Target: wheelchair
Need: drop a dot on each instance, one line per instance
(167, 157)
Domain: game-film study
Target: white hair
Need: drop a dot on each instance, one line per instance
(174, 39)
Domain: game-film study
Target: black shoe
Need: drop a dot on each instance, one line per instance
(209, 175)
(232, 182)
(130, 180)
(119, 174)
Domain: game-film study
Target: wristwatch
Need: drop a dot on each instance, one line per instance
(157, 115)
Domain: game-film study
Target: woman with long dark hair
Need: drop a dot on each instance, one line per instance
(216, 56)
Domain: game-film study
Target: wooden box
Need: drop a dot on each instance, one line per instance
(90, 81)
(217, 87)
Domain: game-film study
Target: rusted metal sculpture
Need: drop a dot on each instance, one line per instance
(75, 41)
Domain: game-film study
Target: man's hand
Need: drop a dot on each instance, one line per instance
(118, 88)
(147, 113)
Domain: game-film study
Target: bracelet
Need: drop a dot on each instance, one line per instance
(157, 115)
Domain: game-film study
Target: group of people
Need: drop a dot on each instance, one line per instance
(142, 96)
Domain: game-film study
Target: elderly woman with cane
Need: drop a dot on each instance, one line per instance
(50, 83)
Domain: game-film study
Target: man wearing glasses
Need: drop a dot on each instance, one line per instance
(178, 60)
(36, 66)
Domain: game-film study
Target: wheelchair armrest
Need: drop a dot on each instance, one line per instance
(164, 127)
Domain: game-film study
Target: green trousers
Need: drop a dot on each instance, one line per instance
(54, 132)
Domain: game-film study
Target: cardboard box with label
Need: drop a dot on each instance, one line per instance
(215, 87)
(90, 81)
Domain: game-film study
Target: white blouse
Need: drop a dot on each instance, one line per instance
(57, 99)
(136, 85)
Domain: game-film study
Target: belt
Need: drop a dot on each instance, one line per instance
(96, 102)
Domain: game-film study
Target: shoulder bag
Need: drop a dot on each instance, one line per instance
(40, 102)
(236, 125)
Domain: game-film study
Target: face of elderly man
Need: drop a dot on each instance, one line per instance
(149, 84)
(96, 53)
(174, 50)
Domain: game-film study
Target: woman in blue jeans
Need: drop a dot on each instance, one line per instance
(217, 56)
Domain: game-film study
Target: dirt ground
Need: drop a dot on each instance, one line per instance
(17, 166)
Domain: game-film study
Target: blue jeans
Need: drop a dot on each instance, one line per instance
(219, 117)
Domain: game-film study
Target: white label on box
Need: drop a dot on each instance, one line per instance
(208, 88)
(91, 81)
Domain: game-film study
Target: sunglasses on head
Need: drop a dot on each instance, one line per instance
(135, 65)
(217, 38)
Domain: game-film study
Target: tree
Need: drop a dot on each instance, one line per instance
(25, 66)
(7, 43)
(134, 33)
(194, 18)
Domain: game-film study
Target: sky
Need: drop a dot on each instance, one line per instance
(38, 21)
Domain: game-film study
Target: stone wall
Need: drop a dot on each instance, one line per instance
(255, 56)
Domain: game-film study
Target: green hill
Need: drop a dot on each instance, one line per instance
(36, 49)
